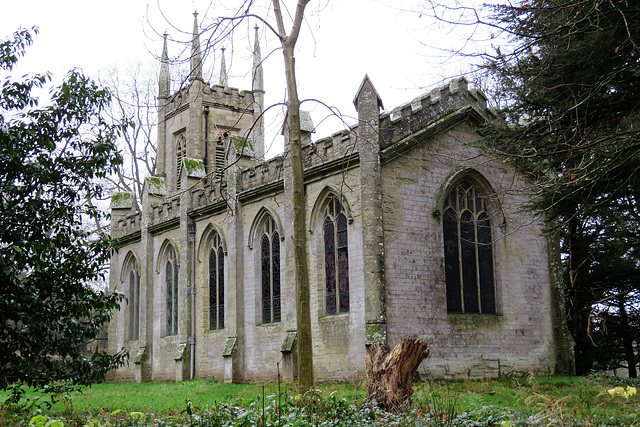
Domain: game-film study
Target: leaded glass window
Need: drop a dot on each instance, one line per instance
(134, 301)
(181, 153)
(336, 259)
(171, 279)
(468, 249)
(270, 271)
(216, 284)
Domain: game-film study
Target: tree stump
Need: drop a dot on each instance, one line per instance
(390, 372)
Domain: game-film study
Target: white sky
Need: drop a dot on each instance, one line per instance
(341, 42)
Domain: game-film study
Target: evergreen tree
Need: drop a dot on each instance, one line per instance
(50, 159)
(570, 81)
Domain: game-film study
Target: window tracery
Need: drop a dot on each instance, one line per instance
(216, 284)
(336, 259)
(171, 280)
(468, 247)
(270, 272)
(134, 301)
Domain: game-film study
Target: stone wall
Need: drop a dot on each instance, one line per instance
(519, 337)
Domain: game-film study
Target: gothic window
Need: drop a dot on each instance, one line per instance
(270, 268)
(134, 301)
(181, 153)
(171, 279)
(336, 259)
(216, 284)
(468, 251)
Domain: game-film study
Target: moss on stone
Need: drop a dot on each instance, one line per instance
(121, 200)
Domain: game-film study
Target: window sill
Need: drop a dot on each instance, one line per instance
(269, 325)
(213, 331)
(474, 320)
(334, 318)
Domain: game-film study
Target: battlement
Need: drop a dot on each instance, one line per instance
(126, 225)
(412, 116)
(264, 173)
(165, 211)
(207, 194)
(229, 97)
(214, 96)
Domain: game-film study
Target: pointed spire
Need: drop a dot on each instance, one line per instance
(196, 57)
(258, 83)
(223, 72)
(165, 81)
(258, 104)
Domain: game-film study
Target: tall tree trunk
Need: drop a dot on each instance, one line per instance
(390, 372)
(303, 310)
(627, 338)
(579, 301)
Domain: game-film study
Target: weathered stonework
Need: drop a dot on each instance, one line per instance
(390, 174)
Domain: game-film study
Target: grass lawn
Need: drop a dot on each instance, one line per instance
(518, 401)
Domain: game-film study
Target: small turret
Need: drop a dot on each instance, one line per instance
(258, 97)
(196, 56)
(224, 79)
(258, 83)
(164, 88)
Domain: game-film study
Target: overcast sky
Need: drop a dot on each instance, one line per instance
(341, 42)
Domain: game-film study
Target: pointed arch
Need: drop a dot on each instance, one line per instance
(166, 244)
(320, 204)
(468, 243)
(336, 258)
(269, 262)
(129, 258)
(263, 215)
(479, 181)
(130, 278)
(208, 233)
(168, 267)
(214, 272)
(212, 249)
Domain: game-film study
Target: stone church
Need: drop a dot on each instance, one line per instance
(413, 231)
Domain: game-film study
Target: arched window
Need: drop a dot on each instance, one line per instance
(336, 259)
(216, 284)
(468, 251)
(270, 267)
(181, 153)
(171, 279)
(134, 300)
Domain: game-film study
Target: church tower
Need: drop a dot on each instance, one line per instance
(198, 122)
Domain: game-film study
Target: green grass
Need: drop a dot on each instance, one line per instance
(546, 400)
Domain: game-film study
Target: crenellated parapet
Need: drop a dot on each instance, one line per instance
(164, 212)
(337, 148)
(214, 96)
(228, 97)
(175, 102)
(125, 225)
(207, 194)
(263, 174)
(412, 116)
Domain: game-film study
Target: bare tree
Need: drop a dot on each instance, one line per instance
(134, 110)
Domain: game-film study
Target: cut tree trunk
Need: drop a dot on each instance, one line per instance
(390, 372)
